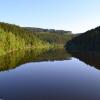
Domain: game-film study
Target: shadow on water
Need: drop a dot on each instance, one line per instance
(90, 58)
(14, 59)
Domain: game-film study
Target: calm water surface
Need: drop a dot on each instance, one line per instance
(50, 75)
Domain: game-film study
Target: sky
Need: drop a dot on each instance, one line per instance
(72, 15)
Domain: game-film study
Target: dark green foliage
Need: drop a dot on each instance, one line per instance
(59, 37)
(54, 38)
(89, 41)
(47, 30)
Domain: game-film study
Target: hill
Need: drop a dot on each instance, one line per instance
(13, 37)
(58, 37)
(88, 41)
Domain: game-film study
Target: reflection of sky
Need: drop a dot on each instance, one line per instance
(65, 79)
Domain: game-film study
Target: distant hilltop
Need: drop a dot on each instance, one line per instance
(33, 29)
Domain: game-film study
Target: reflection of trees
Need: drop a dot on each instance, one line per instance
(90, 58)
(14, 59)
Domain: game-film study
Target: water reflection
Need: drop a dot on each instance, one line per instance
(90, 58)
(14, 59)
(59, 80)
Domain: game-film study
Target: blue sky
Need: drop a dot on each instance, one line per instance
(75, 15)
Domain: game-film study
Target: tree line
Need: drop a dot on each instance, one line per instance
(13, 37)
(88, 41)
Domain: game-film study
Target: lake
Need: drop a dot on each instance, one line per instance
(51, 74)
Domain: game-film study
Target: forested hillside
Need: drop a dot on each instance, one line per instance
(14, 37)
(88, 41)
(58, 37)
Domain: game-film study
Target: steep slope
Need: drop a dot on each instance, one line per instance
(88, 41)
(13, 37)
